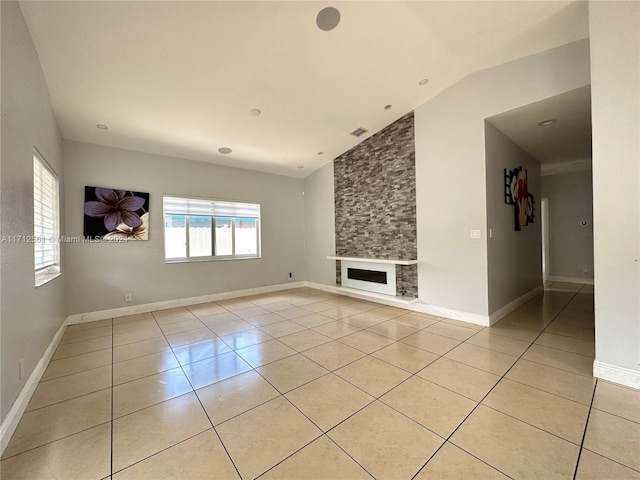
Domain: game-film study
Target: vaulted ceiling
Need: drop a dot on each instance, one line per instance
(182, 78)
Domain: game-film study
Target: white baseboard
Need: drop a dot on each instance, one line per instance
(578, 280)
(180, 302)
(12, 419)
(475, 318)
(613, 373)
(413, 304)
(511, 306)
(363, 295)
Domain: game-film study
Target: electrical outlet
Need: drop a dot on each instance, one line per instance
(127, 297)
(585, 271)
(290, 276)
(21, 368)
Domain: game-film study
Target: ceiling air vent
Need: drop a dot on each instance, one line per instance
(358, 132)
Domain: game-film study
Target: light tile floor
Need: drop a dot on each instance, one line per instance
(304, 384)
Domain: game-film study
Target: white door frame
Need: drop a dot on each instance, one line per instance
(544, 219)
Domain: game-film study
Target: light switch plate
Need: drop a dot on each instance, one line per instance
(476, 234)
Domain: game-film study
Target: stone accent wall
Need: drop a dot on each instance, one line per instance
(407, 280)
(375, 200)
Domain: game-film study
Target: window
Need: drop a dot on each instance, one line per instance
(203, 229)
(46, 224)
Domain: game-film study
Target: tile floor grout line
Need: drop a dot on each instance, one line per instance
(636, 470)
(448, 439)
(557, 368)
(538, 344)
(613, 414)
(78, 354)
(193, 389)
(546, 391)
(532, 425)
(84, 339)
(468, 453)
(55, 440)
(68, 399)
(365, 354)
(159, 451)
(478, 403)
(283, 395)
(584, 433)
(73, 373)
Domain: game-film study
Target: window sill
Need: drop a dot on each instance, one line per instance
(44, 279)
(209, 259)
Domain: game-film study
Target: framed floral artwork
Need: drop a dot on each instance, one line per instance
(516, 193)
(116, 215)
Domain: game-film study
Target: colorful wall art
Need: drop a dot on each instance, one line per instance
(516, 192)
(115, 215)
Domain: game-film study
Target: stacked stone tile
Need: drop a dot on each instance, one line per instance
(375, 201)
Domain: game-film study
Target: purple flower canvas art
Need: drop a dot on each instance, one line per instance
(113, 214)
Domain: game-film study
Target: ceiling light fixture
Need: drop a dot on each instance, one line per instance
(359, 132)
(424, 81)
(546, 123)
(255, 112)
(225, 150)
(102, 126)
(387, 107)
(327, 19)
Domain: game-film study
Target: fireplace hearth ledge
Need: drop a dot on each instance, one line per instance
(394, 261)
(395, 301)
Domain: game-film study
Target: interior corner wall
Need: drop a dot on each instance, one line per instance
(30, 316)
(451, 174)
(319, 226)
(615, 72)
(514, 257)
(99, 274)
(570, 198)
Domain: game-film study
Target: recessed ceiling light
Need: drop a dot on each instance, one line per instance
(225, 150)
(255, 112)
(328, 18)
(300, 167)
(320, 153)
(387, 107)
(546, 123)
(424, 81)
(102, 126)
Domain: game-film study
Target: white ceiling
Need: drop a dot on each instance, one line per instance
(563, 146)
(180, 78)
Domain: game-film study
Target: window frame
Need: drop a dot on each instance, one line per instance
(48, 272)
(214, 257)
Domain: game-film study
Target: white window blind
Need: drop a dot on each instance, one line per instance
(197, 229)
(212, 208)
(45, 216)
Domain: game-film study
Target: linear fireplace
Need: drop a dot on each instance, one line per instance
(369, 276)
(377, 275)
(374, 276)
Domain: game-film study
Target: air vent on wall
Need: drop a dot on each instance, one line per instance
(359, 132)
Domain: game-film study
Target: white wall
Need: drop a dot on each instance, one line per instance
(98, 275)
(450, 168)
(320, 226)
(514, 257)
(30, 316)
(615, 71)
(570, 243)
